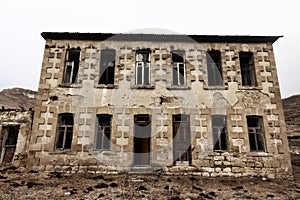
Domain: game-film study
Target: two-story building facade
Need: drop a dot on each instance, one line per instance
(208, 105)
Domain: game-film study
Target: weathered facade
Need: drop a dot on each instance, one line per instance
(15, 130)
(207, 105)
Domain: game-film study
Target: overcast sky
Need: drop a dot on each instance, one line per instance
(22, 22)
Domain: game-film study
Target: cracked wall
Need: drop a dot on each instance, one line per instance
(161, 100)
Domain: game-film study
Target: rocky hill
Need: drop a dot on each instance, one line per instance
(291, 106)
(17, 98)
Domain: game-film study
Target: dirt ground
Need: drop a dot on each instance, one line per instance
(33, 185)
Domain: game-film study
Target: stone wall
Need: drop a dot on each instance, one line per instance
(23, 119)
(160, 100)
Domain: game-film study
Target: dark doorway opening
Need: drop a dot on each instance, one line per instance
(142, 139)
(182, 153)
(9, 138)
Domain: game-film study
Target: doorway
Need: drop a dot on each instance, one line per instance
(142, 139)
(181, 140)
(9, 138)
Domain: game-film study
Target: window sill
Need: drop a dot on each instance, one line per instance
(108, 86)
(71, 85)
(249, 87)
(151, 87)
(215, 87)
(175, 87)
(65, 151)
(258, 154)
(220, 151)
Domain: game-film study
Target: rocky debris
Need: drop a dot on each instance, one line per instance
(87, 186)
(17, 98)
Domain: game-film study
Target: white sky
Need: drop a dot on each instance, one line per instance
(23, 21)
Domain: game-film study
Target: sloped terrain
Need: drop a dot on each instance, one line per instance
(17, 98)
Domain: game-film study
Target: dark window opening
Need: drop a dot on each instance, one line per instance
(181, 139)
(214, 68)
(247, 69)
(107, 66)
(178, 68)
(142, 66)
(256, 133)
(103, 133)
(65, 131)
(71, 66)
(219, 132)
(9, 137)
(142, 139)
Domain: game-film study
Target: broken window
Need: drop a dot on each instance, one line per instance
(219, 132)
(214, 68)
(178, 68)
(9, 137)
(142, 65)
(256, 133)
(72, 66)
(247, 69)
(65, 131)
(107, 66)
(103, 131)
(181, 139)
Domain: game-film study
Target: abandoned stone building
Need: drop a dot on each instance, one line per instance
(15, 129)
(199, 104)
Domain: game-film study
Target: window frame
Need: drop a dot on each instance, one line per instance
(103, 138)
(70, 77)
(66, 128)
(109, 67)
(214, 64)
(176, 66)
(143, 65)
(258, 147)
(221, 131)
(248, 71)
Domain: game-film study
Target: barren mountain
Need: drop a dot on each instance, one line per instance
(17, 98)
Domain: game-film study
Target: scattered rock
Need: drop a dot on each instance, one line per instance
(205, 196)
(197, 188)
(14, 184)
(33, 172)
(113, 185)
(98, 177)
(101, 185)
(101, 195)
(67, 193)
(3, 177)
(270, 195)
(175, 198)
(212, 193)
(64, 188)
(90, 188)
(142, 188)
(31, 184)
(238, 188)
